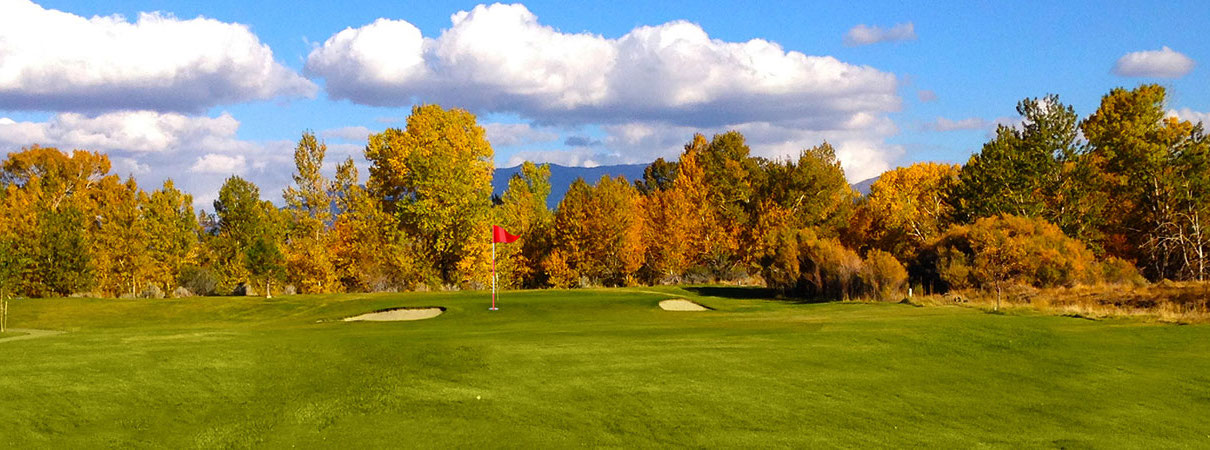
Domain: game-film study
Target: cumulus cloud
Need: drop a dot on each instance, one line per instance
(1162, 63)
(866, 34)
(125, 131)
(1191, 115)
(500, 58)
(650, 89)
(53, 60)
(513, 134)
(944, 124)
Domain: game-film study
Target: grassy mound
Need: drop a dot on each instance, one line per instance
(593, 367)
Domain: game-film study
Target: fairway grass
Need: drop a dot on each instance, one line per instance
(558, 368)
(11, 334)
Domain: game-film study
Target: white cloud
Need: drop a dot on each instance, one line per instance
(356, 134)
(1162, 63)
(866, 35)
(926, 96)
(126, 131)
(512, 134)
(128, 166)
(572, 158)
(499, 58)
(1191, 115)
(649, 89)
(217, 164)
(53, 60)
(970, 123)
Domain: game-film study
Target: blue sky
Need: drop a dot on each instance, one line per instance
(201, 102)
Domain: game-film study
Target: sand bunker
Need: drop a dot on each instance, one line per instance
(680, 304)
(392, 315)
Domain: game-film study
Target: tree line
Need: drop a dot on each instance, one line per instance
(1116, 197)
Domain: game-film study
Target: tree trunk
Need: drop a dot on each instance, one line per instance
(267, 293)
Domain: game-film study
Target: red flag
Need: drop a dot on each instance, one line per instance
(501, 236)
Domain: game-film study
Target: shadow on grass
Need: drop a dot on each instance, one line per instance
(749, 293)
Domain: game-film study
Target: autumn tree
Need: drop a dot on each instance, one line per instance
(265, 262)
(49, 204)
(172, 234)
(907, 207)
(60, 177)
(242, 220)
(369, 250)
(309, 204)
(1155, 171)
(436, 175)
(120, 237)
(657, 176)
(1034, 169)
(522, 210)
(598, 235)
(62, 264)
(667, 234)
(813, 191)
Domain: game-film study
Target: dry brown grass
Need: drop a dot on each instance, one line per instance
(1171, 302)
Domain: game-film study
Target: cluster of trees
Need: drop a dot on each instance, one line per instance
(1053, 201)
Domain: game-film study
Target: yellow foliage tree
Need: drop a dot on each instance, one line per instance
(436, 175)
(907, 208)
(308, 264)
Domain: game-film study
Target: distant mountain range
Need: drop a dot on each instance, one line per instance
(561, 178)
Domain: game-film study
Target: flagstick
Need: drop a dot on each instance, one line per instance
(494, 308)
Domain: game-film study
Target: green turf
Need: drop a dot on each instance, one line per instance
(9, 334)
(592, 368)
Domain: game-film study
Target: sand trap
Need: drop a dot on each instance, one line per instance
(680, 304)
(392, 315)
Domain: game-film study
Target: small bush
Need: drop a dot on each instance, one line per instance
(152, 291)
(883, 275)
(698, 275)
(198, 280)
(1119, 271)
(801, 264)
(181, 292)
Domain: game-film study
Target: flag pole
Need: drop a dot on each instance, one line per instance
(494, 308)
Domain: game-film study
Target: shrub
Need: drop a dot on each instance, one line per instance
(1119, 271)
(152, 291)
(199, 280)
(798, 263)
(1012, 250)
(883, 275)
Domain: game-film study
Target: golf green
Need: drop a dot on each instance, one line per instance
(608, 367)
